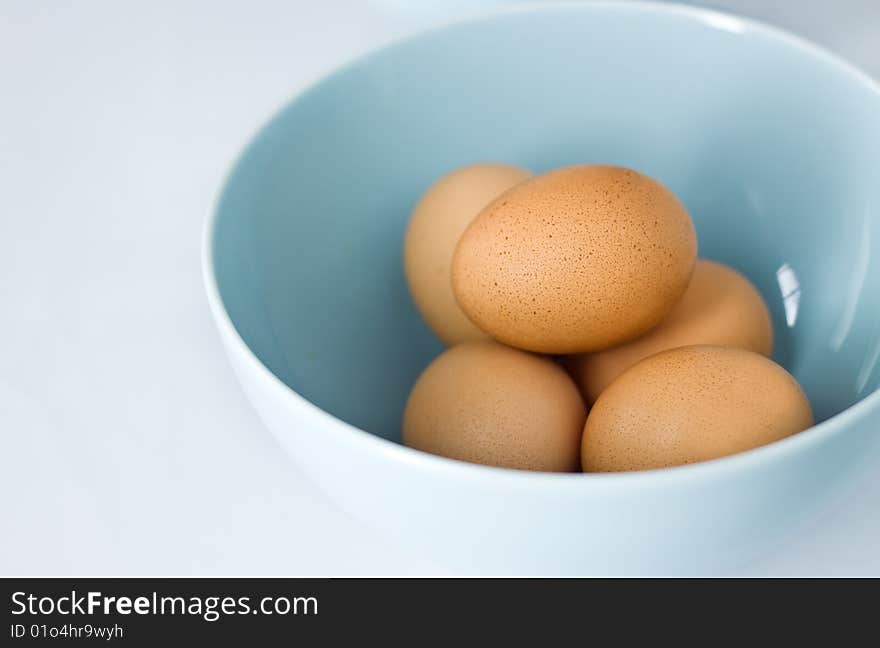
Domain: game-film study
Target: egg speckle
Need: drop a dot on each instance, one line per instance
(435, 226)
(577, 259)
(720, 307)
(486, 403)
(691, 404)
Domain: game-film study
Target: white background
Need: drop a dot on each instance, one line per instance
(126, 447)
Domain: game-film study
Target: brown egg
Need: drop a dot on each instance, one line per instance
(719, 307)
(486, 403)
(437, 222)
(691, 404)
(577, 259)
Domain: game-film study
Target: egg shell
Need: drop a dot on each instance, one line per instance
(692, 404)
(436, 225)
(577, 259)
(720, 307)
(489, 404)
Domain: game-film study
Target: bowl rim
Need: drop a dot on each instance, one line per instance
(512, 478)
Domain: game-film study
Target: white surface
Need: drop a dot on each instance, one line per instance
(126, 446)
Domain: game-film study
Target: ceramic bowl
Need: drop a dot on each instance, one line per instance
(772, 144)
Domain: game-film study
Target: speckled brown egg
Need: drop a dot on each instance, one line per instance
(577, 259)
(437, 223)
(719, 307)
(489, 404)
(692, 404)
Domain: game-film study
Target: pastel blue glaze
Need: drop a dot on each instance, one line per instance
(773, 146)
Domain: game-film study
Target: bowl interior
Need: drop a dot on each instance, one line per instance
(773, 147)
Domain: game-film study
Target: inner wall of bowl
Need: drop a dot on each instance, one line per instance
(774, 151)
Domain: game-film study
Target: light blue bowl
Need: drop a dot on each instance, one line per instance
(771, 143)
